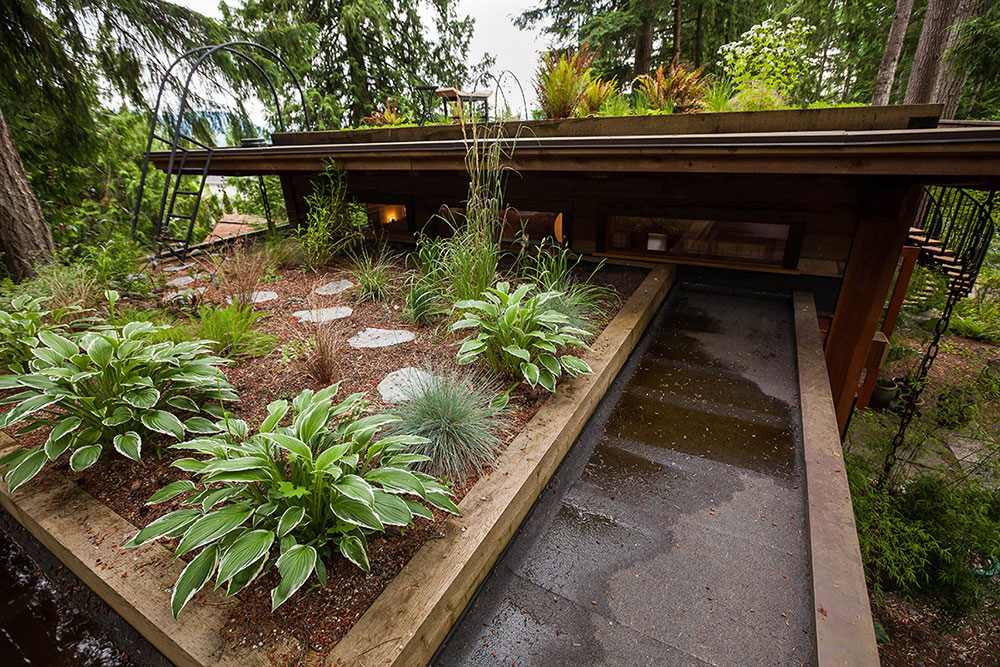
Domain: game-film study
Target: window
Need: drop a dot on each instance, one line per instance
(754, 242)
(390, 218)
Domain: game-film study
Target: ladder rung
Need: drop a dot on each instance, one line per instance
(186, 192)
(181, 217)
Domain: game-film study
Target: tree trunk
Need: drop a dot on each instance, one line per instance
(950, 80)
(930, 48)
(697, 38)
(675, 56)
(890, 57)
(643, 49)
(362, 104)
(24, 238)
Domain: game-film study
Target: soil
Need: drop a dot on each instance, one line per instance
(315, 619)
(917, 641)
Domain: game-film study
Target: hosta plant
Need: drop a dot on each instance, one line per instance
(20, 326)
(291, 497)
(111, 388)
(518, 333)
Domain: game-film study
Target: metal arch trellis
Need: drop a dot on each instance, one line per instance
(168, 199)
(966, 225)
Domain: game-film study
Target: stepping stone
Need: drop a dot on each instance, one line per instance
(323, 314)
(256, 297)
(335, 287)
(132, 277)
(398, 385)
(184, 293)
(380, 338)
(177, 267)
(180, 281)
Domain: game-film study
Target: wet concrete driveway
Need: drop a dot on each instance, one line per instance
(674, 531)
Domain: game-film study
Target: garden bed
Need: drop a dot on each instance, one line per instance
(108, 500)
(895, 117)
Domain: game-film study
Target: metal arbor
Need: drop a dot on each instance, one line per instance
(179, 144)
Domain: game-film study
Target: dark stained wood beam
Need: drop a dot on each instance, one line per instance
(882, 230)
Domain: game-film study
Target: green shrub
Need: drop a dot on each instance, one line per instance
(111, 388)
(333, 224)
(928, 538)
(291, 496)
(772, 55)
(616, 105)
(562, 82)
(230, 331)
(520, 336)
(758, 97)
(169, 327)
(373, 274)
(551, 269)
(20, 327)
(459, 415)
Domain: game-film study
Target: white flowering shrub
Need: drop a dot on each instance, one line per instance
(770, 55)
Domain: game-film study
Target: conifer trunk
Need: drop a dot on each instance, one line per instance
(930, 48)
(24, 238)
(890, 57)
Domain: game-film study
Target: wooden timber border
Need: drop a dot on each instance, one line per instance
(407, 622)
(845, 634)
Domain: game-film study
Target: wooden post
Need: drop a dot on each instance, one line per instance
(877, 353)
(908, 259)
(881, 232)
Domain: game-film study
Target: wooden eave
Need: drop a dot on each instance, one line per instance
(969, 154)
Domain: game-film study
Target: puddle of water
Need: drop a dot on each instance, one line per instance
(659, 376)
(38, 627)
(747, 444)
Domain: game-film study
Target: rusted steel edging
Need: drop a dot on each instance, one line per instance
(86, 535)
(845, 633)
(408, 621)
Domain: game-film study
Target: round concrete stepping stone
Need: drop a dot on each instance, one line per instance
(184, 293)
(380, 338)
(256, 297)
(335, 287)
(180, 281)
(323, 314)
(399, 385)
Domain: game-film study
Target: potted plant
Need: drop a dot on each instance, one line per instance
(886, 390)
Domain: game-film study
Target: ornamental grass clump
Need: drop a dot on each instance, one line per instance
(551, 268)
(110, 388)
(519, 335)
(291, 497)
(459, 414)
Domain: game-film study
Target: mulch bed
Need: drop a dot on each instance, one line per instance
(318, 617)
(917, 641)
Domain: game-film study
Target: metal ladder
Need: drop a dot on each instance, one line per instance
(172, 190)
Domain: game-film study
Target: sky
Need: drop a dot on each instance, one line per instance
(515, 50)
